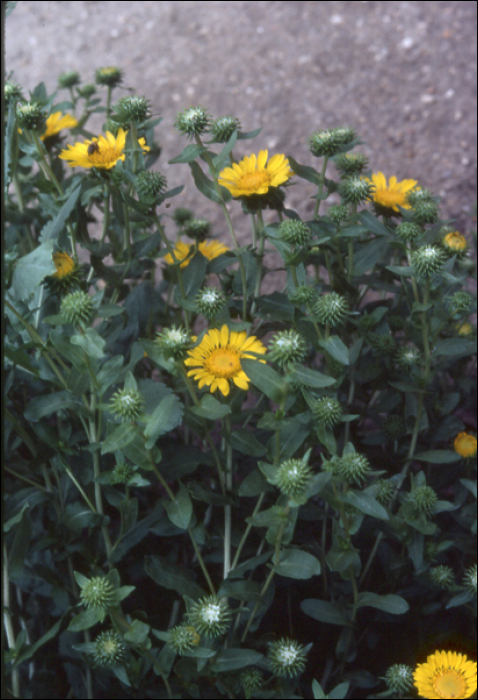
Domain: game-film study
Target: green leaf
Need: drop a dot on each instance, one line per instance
(276, 307)
(129, 515)
(438, 456)
(190, 153)
(246, 442)
(470, 485)
(317, 691)
(85, 620)
(91, 342)
(373, 224)
(222, 159)
(324, 612)
(265, 379)
(31, 650)
(234, 659)
(459, 347)
(19, 550)
(369, 255)
(181, 509)
(53, 229)
(336, 349)
(42, 406)
(121, 436)
(339, 692)
(31, 270)
(305, 171)
(401, 270)
(206, 186)
(137, 633)
(173, 577)
(393, 604)
(165, 417)
(211, 408)
(296, 564)
(311, 377)
(367, 504)
(193, 277)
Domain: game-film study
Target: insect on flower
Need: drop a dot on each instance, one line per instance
(93, 148)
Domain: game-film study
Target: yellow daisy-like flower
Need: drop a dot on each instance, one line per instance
(254, 175)
(393, 195)
(446, 674)
(464, 329)
(56, 122)
(217, 359)
(210, 250)
(455, 242)
(466, 445)
(99, 152)
(65, 266)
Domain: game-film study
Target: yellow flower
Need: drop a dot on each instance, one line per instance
(65, 266)
(446, 674)
(455, 242)
(393, 195)
(217, 359)
(464, 329)
(253, 175)
(99, 152)
(465, 445)
(56, 122)
(210, 250)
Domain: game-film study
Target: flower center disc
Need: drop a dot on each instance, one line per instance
(254, 181)
(223, 362)
(450, 685)
(389, 199)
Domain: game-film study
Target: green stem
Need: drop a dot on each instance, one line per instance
(7, 620)
(260, 263)
(227, 508)
(321, 187)
(176, 264)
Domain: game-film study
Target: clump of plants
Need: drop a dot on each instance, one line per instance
(226, 477)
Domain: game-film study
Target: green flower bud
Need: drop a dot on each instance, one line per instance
(98, 593)
(193, 121)
(344, 134)
(408, 231)
(397, 322)
(395, 426)
(86, 91)
(386, 491)
(31, 116)
(384, 344)
(210, 616)
(113, 126)
(127, 403)
(331, 308)
(302, 295)
(443, 577)
(287, 347)
(251, 680)
(418, 196)
(327, 411)
(109, 75)
(273, 199)
(407, 357)
(149, 187)
(76, 307)
(356, 189)
(12, 92)
(460, 303)
(354, 468)
(351, 163)
(338, 213)
(223, 128)
(424, 500)
(132, 108)
(183, 638)
(109, 650)
(324, 143)
(295, 232)
(210, 301)
(69, 79)
(425, 212)
(432, 550)
(399, 678)
(197, 229)
(469, 579)
(292, 477)
(122, 473)
(182, 215)
(428, 261)
(173, 342)
(286, 658)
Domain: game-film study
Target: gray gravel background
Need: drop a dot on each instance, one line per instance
(402, 73)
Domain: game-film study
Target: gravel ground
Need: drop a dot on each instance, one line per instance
(403, 74)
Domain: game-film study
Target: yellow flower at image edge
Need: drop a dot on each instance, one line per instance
(465, 444)
(394, 194)
(56, 122)
(65, 265)
(217, 359)
(210, 250)
(254, 175)
(100, 152)
(446, 674)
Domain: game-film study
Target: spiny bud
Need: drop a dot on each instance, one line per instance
(287, 347)
(109, 75)
(12, 92)
(460, 303)
(182, 215)
(98, 593)
(173, 342)
(407, 357)
(409, 231)
(76, 307)
(351, 163)
(193, 121)
(356, 189)
(443, 577)
(183, 638)
(386, 491)
(109, 649)
(331, 308)
(354, 468)
(338, 213)
(69, 79)
(419, 195)
(294, 232)
(302, 295)
(87, 91)
(424, 500)
(122, 473)
(425, 212)
(149, 187)
(428, 261)
(327, 411)
(470, 579)
(210, 616)
(292, 477)
(324, 143)
(127, 403)
(395, 426)
(399, 678)
(286, 658)
(223, 128)
(132, 108)
(197, 229)
(210, 301)
(251, 680)
(384, 344)
(31, 116)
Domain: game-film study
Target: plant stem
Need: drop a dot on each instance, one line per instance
(321, 187)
